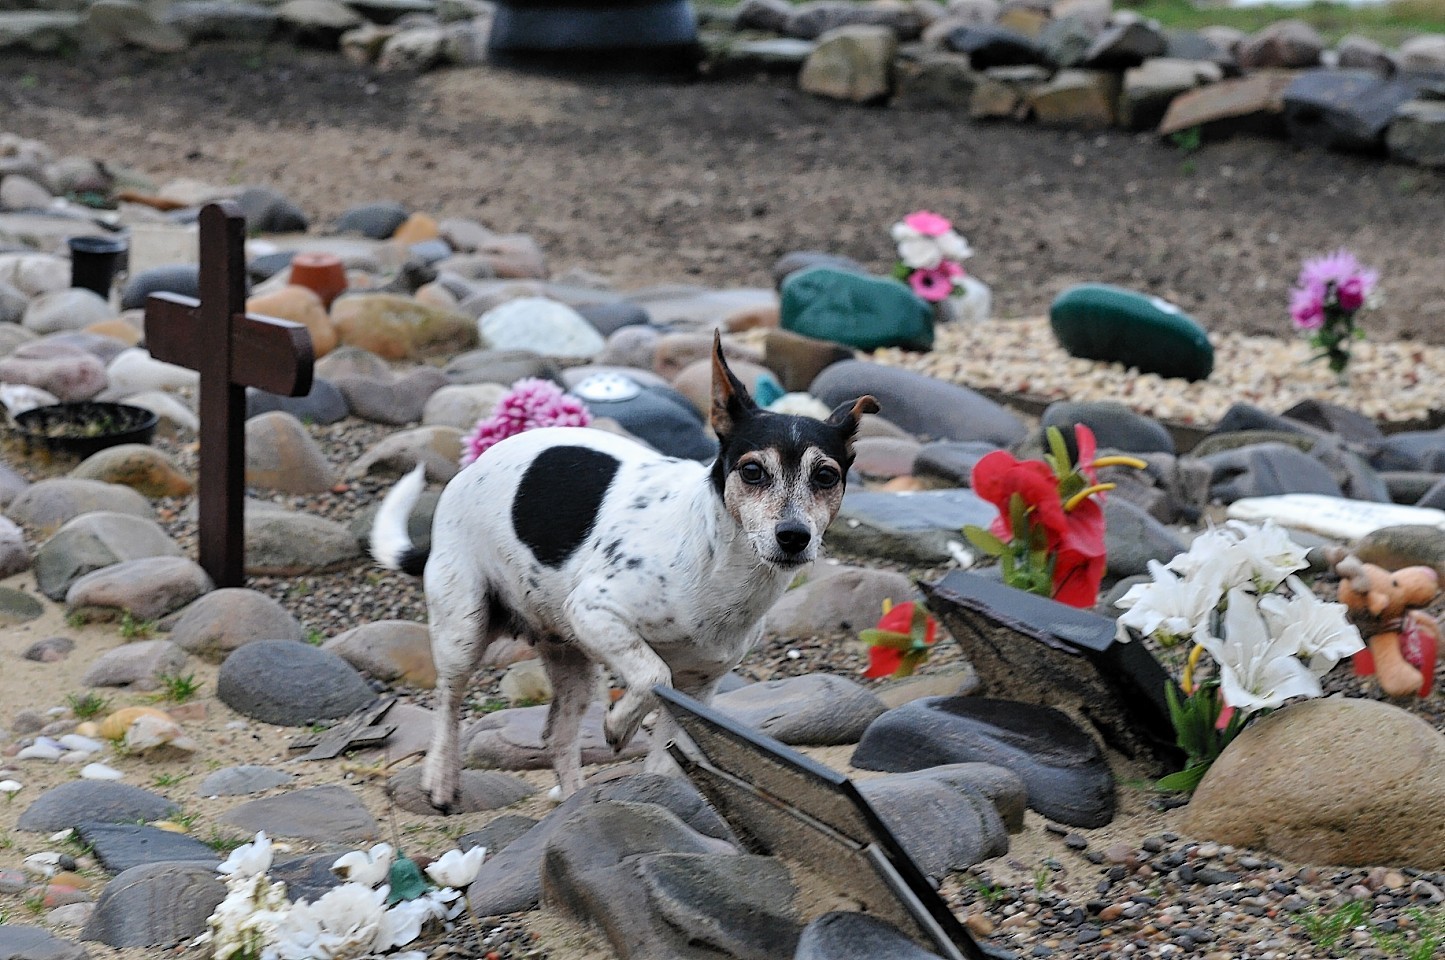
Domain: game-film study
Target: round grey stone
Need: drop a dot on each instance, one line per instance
(100, 801)
(93, 541)
(922, 405)
(480, 790)
(232, 617)
(49, 503)
(290, 684)
(156, 904)
(22, 942)
(377, 221)
(856, 936)
(240, 781)
(814, 710)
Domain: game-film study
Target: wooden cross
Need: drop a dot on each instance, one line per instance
(360, 730)
(232, 350)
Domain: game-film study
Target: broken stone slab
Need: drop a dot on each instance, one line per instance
(1031, 649)
(322, 814)
(120, 846)
(1252, 104)
(1150, 87)
(1334, 517)
(1077, 98)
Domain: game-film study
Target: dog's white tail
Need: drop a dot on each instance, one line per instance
(391, 545)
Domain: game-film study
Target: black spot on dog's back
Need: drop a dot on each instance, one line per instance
(558, 498)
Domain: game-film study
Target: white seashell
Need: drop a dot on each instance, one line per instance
(40, 751)
(99, 771)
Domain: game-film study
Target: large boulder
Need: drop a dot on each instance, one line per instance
(1344, 781)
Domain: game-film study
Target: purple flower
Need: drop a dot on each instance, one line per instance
(529, 404)
(1339, 269)
(1307, 308)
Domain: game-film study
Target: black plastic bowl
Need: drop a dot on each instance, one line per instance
(80, 429)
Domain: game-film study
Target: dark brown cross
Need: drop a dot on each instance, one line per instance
(232, 350)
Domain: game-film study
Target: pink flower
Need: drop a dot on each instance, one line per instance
(928, 223)
(1351, 293)
(1341, 269)
(529, 404)
(1307, 308)
(951, 269)
(932, 285)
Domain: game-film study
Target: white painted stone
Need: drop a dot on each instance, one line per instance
(1332, 516)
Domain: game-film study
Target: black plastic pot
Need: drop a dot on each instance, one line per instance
(80, 429)
(644, 36)
(94, 261)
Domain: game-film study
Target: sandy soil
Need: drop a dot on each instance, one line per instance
(649, 181)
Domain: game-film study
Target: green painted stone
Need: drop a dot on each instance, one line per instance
(856, 309)
(1099, 322)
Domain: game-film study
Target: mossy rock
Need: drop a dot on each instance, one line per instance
(1099, 322)
(856, 309)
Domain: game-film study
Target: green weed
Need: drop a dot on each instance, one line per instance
(223, 842)
(87, 706)
(315, 637)
(1327, 928)
(987, 891)
(133, 629)
(177, 688)
(167, 779)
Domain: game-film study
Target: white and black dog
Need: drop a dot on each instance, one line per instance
(601, 551)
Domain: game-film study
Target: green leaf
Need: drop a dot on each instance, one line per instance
(886, 638)
(910, 662)
(918, 627)
(407, 882)
(1185, 781)
(1063, 464)
(1018, 513)
(985, 541)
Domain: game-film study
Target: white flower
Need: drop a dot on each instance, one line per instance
(369, 867)
(1170, 606)
(1257, 671)
(902, 231)
(249, 859)
(456, 869)
(403, 922)
(1317, 630)
(1270, 551)
(341, 925)
(920, 252)
(953, 246)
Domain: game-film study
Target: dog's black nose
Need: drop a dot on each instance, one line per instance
(792, 536)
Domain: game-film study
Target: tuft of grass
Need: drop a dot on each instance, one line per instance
(987, 891)
(1328, 927)
(168, 779)
(75, 620)
(315, 637)
(176, 688)
(491, 705)
(35, 903)
(87, 706)
(133, 629)
(223, 842)
(185, 820)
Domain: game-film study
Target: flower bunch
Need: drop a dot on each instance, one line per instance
(1236, 596)
(1049, 532)
(360, 918)
(529, 404)
(902, 640)
(930, 255)
(1330, 291)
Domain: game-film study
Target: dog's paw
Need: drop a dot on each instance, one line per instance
(622, 723)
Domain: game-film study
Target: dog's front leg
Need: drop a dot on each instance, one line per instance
(612, 640)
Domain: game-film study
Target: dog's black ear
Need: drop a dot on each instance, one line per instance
(730, 400)
(847, 415)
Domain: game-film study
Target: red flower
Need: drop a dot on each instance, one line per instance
(894, 639)
(1074, 537)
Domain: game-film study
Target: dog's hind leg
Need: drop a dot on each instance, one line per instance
(574, 683)
(459, 637)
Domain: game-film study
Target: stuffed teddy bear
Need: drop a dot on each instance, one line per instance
(1402, 641)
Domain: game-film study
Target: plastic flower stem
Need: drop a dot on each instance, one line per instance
(1086, 493)
(1119, 460)
(1187, 681)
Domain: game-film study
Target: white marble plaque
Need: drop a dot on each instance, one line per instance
(1332, 516)
(161, 245)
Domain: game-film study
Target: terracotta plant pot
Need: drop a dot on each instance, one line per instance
(321, 272)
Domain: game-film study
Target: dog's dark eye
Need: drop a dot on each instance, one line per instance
(826, 477)
(753, 474)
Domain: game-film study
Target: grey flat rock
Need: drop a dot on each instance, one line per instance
(158, 904)
(322, 814)
(95, 801)
(21, 942)
(120, 846)
(908, 527)
(815, 710)
(480, 790)
(512, 740)
(290, 684)
(240, 781)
